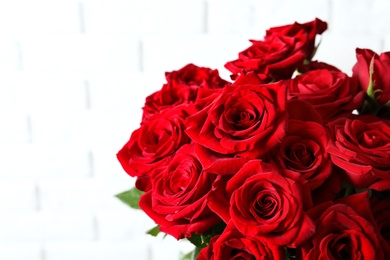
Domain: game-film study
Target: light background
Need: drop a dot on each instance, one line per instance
(73, 78)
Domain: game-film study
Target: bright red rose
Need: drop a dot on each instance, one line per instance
(261, 202)
(361, 148)
(381, 76)
(231, 244)
(331, 93)
(177, 200)
(303, 152)
(155, 140)
(274, 59)
(344, 230)
(306, 33)
(181, 88)
(244, 122)
(283, 50)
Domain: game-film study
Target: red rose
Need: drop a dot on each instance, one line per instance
(317, 65)
(344, 230)
(331, 93)
(244, 122)
(177, 200)
(181, 88)
(231, 244)
(261, 202)
(156, 139)
(303, 152)
(274, 59)
(381, 211)
(283, 50)
(361, 148)
(306, 33)
(381, 76)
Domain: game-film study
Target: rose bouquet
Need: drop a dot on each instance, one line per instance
(288, 160)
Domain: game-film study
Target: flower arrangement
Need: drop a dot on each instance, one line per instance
(288, 160)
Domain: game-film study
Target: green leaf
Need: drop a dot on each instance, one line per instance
(196, 240)
(154, 231)
(130, 197)
(192, 255)
(196, 253)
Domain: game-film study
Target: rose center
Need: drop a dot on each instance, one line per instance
(299, 156)
(241, 118)
(265, 206)
(341, 248)
(370, 139)
(237, 254)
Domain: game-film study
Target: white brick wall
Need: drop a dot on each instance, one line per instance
(73, 78)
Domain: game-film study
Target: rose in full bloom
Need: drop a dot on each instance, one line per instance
(151, 144)
(281, 52)
(231, 244)
(380, 76)
(261, 202)
(303, 152)
(181, 88)
(331, 93)
(177, 199)
(361, 149)
(344, 230)
(244, 122)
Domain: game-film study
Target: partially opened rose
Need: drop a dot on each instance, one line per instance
(151, 144)
(181, 88)
(344, 230)
(305, 32)
(177, 199)
(302, 152)
(282, 51)
(244, 122)
(332, 93)
(361, 148)
(381, 76)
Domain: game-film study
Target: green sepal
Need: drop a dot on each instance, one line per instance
(154, 231)
(130, 197)
(203, 240)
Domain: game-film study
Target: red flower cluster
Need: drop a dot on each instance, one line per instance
(273, 165)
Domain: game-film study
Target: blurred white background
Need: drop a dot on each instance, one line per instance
(73, 78)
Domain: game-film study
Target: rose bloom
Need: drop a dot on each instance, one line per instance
(306, 33)
(317, 65)
(344, 230)
(331, 93)
(181, 88)
(231, 244)
(381, 212)
(303, 152)
(381, 76)
(156, 139)
(177, 199)
(244, 122)
(361, 149)
(283, 50)
(261, 202)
